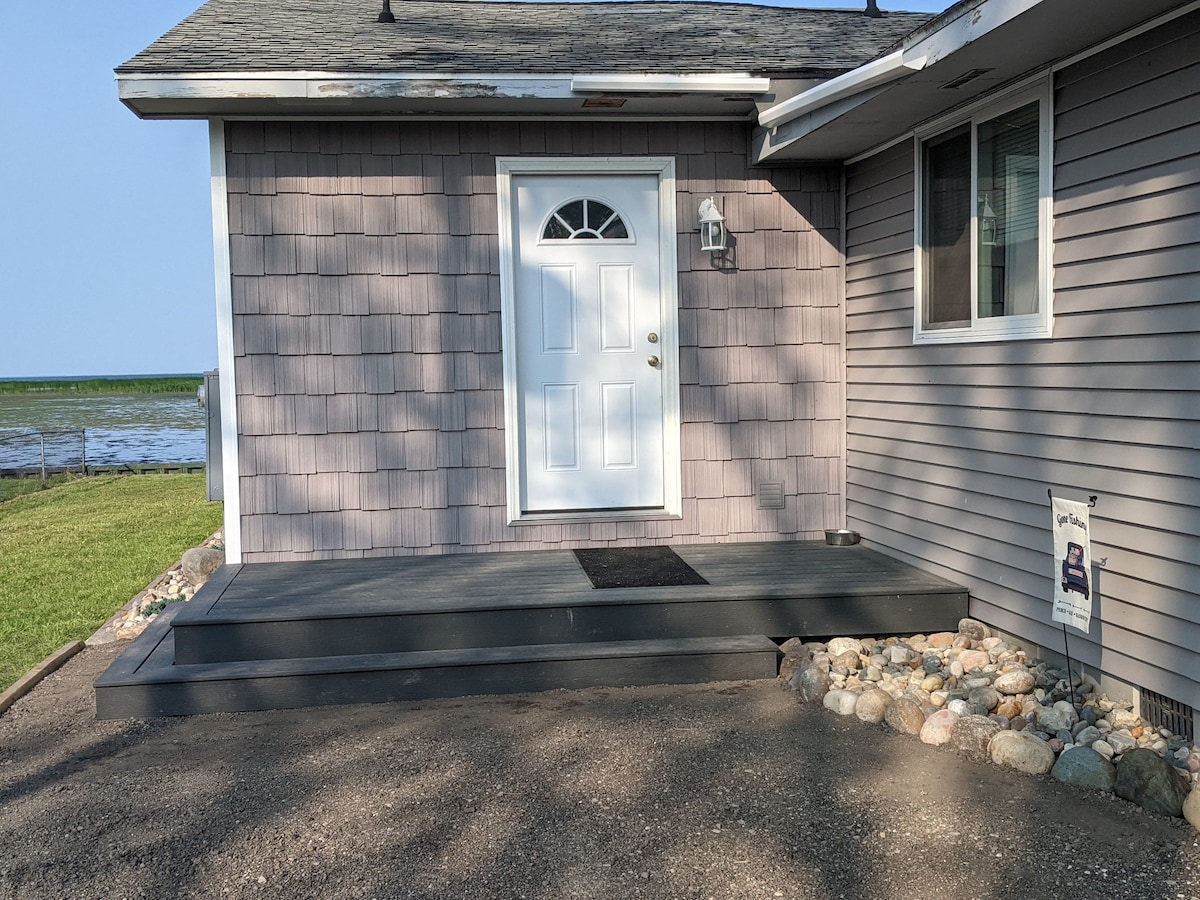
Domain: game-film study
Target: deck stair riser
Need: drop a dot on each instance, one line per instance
(686, 616)
(156, 687)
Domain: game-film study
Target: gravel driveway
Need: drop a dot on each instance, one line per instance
(726, 790)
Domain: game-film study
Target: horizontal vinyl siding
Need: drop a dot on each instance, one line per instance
(366, 290)
(951, 448)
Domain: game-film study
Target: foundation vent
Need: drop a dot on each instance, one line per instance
(1163, 712)
(770, 495)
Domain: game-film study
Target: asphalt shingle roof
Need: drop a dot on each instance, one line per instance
(466, 36)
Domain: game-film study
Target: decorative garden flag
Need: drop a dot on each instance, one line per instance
(1072, 564)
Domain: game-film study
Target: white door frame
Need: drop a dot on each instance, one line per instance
(664, 169)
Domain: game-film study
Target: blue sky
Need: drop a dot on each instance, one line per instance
(105, 220)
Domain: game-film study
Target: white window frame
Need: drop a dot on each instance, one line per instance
(997, 328)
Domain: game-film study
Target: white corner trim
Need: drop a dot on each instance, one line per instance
(881, 71)
(625, 83)
(222, 271)
(664, 169)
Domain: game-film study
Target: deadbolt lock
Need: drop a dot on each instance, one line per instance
(652, 338)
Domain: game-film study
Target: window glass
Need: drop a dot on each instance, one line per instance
(585, 220)
(984, 263)
(1008, 214)
(948, 229)
(572, 215)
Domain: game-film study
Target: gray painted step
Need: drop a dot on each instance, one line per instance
(338, 608)
(145, 682)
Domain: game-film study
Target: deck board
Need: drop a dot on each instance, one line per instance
(413, 585)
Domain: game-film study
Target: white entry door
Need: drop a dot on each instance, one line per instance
(589, 311)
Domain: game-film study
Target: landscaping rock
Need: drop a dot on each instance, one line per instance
(840, 645)
(973, 659)
(849, 659)
(1050, 719)
(939, 728)
(974, 629)
(1145, 778)
(905, 715)
(790, 665)
(1191, 808)
(1017, 681)
(1022, 751)
(972, 735)
(1084, 767)
(811, 683)
(841, 702)
(1120, 742)
(872, 705)
(985, 697)
(199, 564)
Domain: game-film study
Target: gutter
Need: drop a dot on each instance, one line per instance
(882, 71)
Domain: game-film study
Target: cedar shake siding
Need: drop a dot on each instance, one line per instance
(951, 447)
(366, 300)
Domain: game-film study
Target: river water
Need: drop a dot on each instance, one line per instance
(117, 429)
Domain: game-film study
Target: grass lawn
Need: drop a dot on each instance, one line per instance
(72, 555)
(18, 487)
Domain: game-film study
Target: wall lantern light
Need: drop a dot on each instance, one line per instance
(987, 221)
(712, 227)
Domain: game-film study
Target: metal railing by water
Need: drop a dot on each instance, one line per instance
(43, 451)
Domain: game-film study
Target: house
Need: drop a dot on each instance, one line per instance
(463, 303)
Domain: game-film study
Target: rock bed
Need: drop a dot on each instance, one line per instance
(981, 695)
(178, 583)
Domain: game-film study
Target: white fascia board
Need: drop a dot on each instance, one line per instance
(972, 24)
(333, 86)
(880, 71)
(625, 83)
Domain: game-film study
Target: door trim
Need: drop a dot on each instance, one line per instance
(664, 169)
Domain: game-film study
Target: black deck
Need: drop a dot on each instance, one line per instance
(299, 634)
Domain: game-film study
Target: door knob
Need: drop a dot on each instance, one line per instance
(653, 361)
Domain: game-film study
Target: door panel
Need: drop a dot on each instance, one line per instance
(587, 298)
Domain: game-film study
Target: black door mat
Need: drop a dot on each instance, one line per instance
(625, 567)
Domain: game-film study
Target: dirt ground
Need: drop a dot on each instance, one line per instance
(728, 790)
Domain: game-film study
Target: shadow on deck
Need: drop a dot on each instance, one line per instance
(279, 635)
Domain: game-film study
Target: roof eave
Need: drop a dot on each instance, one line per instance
(994, 42)
(203, 94)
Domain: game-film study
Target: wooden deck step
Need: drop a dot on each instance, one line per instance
(146, 682)
(340, 608)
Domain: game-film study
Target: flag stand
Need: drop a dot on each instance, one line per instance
(1066, 645)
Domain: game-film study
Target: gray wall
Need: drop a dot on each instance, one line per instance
(951, 448)
(367, 337)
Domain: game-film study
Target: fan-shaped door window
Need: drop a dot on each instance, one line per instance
(585, 220)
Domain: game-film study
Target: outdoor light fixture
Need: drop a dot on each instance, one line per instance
(712, 227)
(987, 221)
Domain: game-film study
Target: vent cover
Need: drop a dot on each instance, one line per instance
(770, 495)
(1163, 712)
(965, 78)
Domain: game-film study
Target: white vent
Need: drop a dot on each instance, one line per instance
(770, 495)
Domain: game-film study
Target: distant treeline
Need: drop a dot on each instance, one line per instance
(167, 384)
